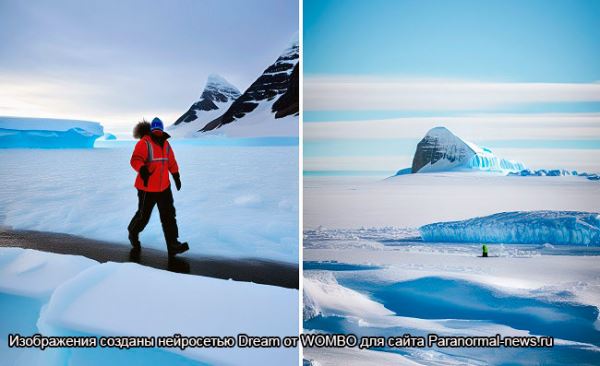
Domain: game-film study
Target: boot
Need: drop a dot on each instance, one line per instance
(135, 241)
(177, 248)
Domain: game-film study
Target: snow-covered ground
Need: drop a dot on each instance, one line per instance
(333, 357)
(236, 201)
(369, 272)
(415, 200)
(63, 295)
(422, 288)
(259, 122)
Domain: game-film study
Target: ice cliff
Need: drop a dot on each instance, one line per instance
(520, 227)
(17, 132)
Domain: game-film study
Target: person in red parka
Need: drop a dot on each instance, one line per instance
(153, 159)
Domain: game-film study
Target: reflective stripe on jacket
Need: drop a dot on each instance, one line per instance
(159, 160)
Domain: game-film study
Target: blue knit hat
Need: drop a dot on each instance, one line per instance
(157, 124)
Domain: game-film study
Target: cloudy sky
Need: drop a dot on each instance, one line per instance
(117, 61)
(521, 77)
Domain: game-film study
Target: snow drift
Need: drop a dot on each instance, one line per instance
(17, 132)
(324, 296)
(22, 269)
(440, 150)
(536, 227)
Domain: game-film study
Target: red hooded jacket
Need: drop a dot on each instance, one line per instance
(160, 161)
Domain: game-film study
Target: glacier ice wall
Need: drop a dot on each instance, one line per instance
(16, 132)
(490, 162)
(520, 227)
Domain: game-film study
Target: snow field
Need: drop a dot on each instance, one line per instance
(414, 200)
(455, 293)
(548, 275)
(235, 201)
(260, 122)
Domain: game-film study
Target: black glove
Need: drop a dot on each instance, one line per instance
(177, 181)
(145, 174)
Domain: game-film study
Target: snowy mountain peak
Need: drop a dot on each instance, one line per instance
(218, 89)
(216, 85)
(218, 94)
(441, 150)
(287, 60)
(292, 50)
(276, 91)
(216, 79)
(440, 131)
(295, 39)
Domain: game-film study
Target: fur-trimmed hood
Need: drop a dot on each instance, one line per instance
(142, 129)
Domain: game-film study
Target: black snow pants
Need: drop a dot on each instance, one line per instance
(164, 201)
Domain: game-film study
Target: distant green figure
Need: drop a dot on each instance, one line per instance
(485, 252)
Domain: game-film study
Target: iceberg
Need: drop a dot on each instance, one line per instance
(18, 132)
(441, 150)
(554, 173)
(520, 227)
(108, 136)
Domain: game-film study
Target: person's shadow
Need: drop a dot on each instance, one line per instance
(174, 264)
(135, 255)
(178, 264)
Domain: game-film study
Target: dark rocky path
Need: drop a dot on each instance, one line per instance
(244, 269)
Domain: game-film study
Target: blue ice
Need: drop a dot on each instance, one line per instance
(520, 227)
